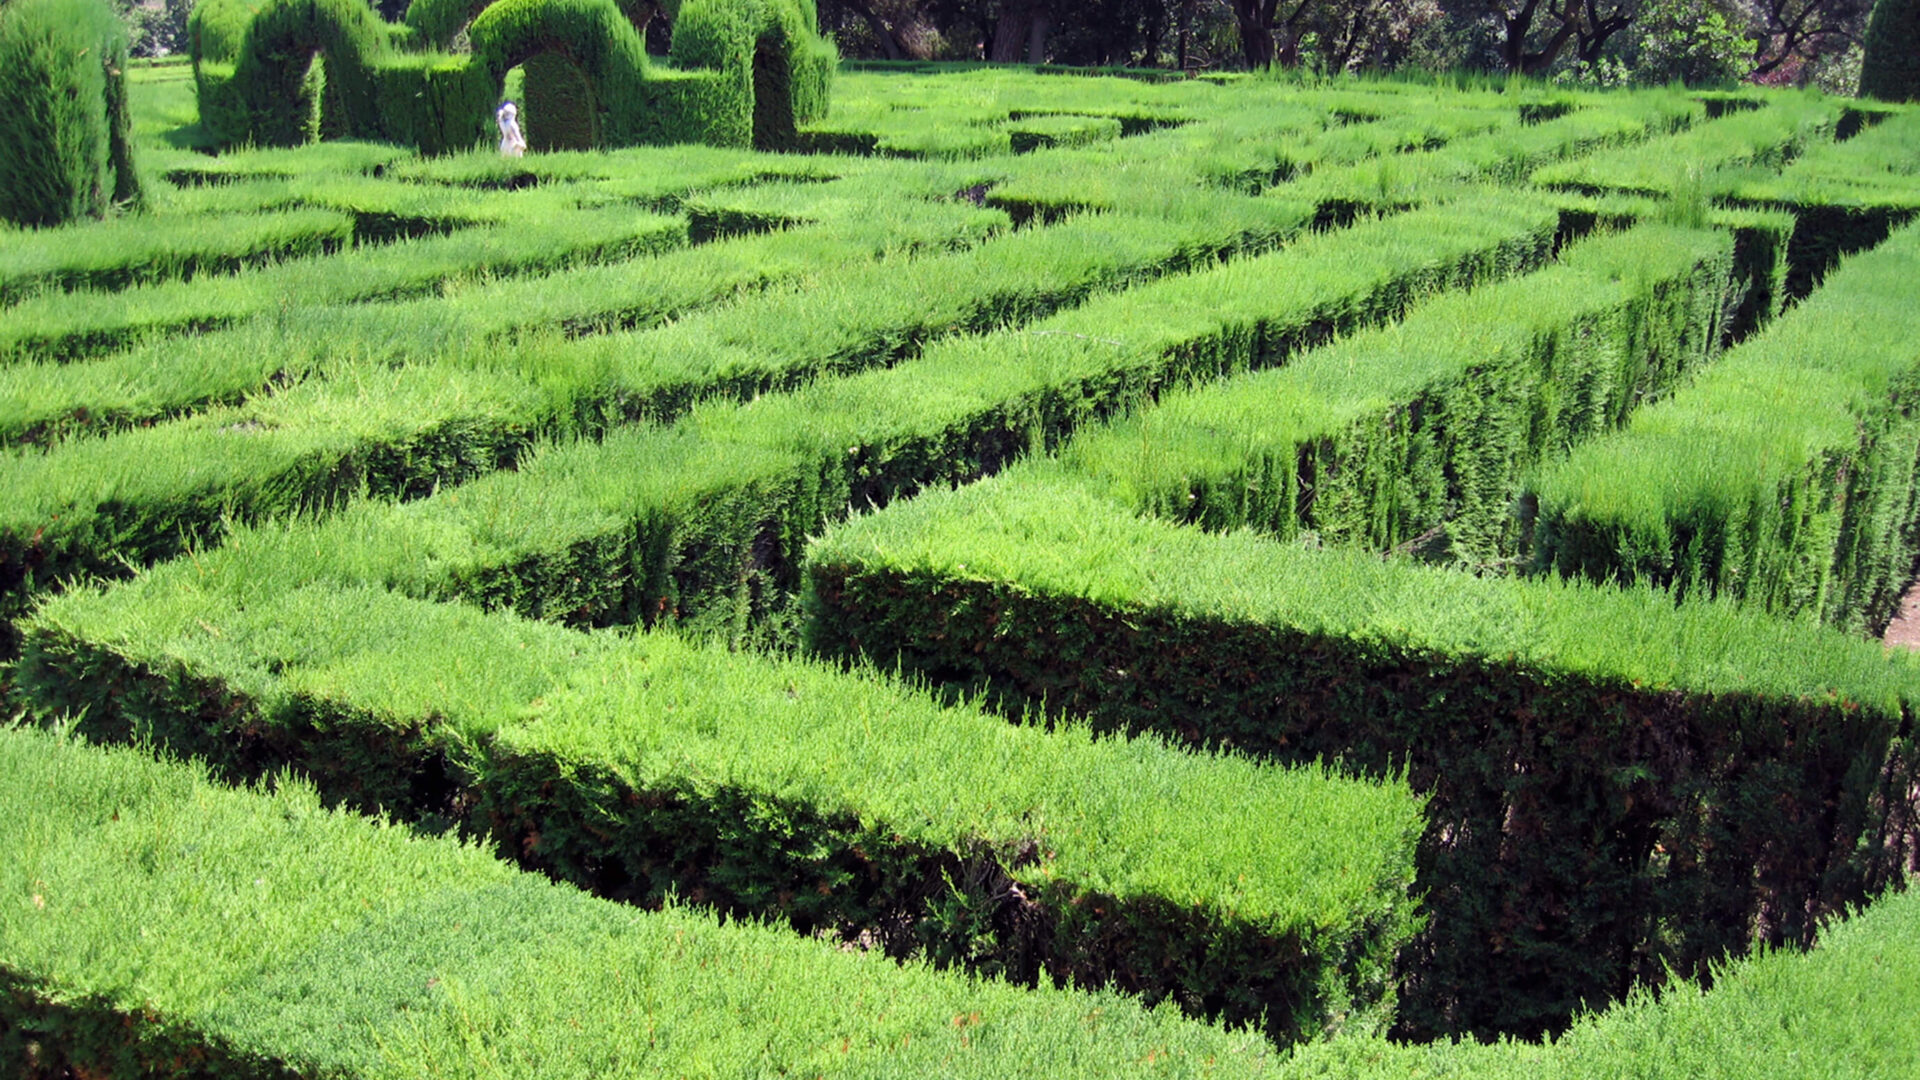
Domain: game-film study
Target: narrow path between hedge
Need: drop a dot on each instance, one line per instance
(1904, 630)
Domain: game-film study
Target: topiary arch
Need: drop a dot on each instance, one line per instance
(743, 72)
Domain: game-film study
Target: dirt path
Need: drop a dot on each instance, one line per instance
(1904, 630)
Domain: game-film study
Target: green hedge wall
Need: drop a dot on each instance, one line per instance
(217, 29)
(435, 23)
(748, 72)
(1421, 432)
(1843, 1011)
(161, 925)
(387, 432)
(1784, 478)
(270, 74)
(66, 154)
(1890, 70)
(1782, 126)
(161, 249)
(706, 519)
(1616, 785)
(841, 804)
(1847, 195)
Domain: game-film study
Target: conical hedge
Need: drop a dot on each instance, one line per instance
(1891, 70)
(63, 93)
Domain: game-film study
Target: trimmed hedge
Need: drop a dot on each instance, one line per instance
(125, 254)
(1771, 135)
(162, 925)
(436, 23)
(748, 72)
(1890, 70)
(63, 328)
(573, 300)
(1784, 478)
(63, 89)
(705, 520)
(1843, 1010)
(305, 448)
(1419, 433)
(1848, 195)
(868, 317)
(216, 30)
(1617, 786)
(1510, 154)
(842, 804)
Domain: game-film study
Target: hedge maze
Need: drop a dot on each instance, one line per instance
(1043, 573)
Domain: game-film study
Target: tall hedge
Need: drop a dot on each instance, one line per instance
(217, 29)
(770, 49)
(1618, 788)
(746, 73)
(271, 72)
(66, 154)
(1891, 69)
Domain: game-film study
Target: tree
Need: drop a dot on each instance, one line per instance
(1020, 32)
(1350, 34)
(1788, 35)
(1689, 41)
(157, 30)
(1269, 33)
(1891, 69)
(1598, 23)
(1529, 34)
(891, 29)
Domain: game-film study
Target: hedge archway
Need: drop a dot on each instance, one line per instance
(272, 72)
(745, 72)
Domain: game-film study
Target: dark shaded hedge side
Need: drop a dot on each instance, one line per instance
(1584, 834)
(740, 851)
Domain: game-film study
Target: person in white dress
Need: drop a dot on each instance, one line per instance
(512, 144)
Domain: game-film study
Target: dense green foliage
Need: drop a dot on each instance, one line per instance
(1890, 70)
(1784, 477)
(840, 804)
(707, 517)
(1772, 135)
(116, 256)
(160, 919)
(746, 72)
(1419, 432)
(1842, 1011)
(479, 490)
(63, 91)
(1683, 779)
(1847, 195)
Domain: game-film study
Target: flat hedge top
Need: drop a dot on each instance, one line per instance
(1052, 537)
(1201, 430)
(1292, 848)
(1799, 390)
(1132, 818)
(353, 948)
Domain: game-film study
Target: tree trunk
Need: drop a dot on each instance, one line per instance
(1256, 34)
(1513, 45)
(1156, 34)
(1037, 39)
(889, 44)
(1011, 32)
(1186, 33)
